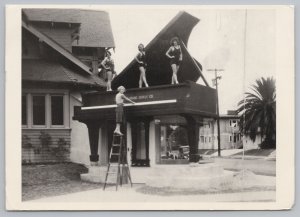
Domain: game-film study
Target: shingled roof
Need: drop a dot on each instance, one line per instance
(95, 30)
(57, 47)
(50, 71)
(53, 15)
(95, 27)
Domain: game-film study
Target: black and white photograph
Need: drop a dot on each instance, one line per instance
(158, 107)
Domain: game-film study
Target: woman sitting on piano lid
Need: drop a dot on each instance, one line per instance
(175, 55)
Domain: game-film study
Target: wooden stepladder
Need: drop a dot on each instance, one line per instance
(118, 164)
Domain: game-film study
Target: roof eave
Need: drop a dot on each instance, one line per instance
(73, 83)
(57, 47)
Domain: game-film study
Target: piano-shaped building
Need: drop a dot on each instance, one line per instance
(163, 126)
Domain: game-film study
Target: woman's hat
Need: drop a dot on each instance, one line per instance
(174, 39)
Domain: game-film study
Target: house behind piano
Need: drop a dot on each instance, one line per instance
(61, 49)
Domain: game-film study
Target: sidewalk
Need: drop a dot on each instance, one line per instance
(258, 166)
(127, 194)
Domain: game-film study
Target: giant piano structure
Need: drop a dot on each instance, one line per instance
(185, 104)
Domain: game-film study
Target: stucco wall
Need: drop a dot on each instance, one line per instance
(80, 149)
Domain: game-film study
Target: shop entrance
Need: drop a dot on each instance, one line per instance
(140, 142)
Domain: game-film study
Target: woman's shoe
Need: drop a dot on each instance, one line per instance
(119, 133)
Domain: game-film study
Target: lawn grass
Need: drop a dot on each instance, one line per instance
(40, 181)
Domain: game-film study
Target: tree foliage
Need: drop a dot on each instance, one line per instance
(258, 111)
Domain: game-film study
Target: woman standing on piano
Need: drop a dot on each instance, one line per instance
(141, 59)
(109, 67)
(175, 55)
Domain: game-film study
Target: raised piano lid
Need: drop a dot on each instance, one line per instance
(159, 70)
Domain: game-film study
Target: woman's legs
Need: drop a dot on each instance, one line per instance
(109, 78)
(140, 81)
(174, 76)
(142, 77)
(177, 68)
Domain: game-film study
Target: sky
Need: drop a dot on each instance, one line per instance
(239, 42)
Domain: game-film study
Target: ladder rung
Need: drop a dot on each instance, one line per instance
(115, 154)
(116, 145)
(118, 135)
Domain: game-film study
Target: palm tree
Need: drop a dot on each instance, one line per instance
(258, 111)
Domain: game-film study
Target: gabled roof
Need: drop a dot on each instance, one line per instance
(95, 26)
(158, 67)
(53, 15)
(95, 30)
(57, 47)
(49, 71)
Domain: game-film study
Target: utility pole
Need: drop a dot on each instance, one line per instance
(215, 82)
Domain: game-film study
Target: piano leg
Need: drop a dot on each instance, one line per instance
(193, 136)
(93, 129)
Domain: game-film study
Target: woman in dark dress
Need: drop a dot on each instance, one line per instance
(175, 55)
(109, 67)
(141, 59)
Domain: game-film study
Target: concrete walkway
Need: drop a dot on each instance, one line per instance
(258, 166)
(127, 194)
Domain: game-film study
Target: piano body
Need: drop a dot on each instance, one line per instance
(184, 104)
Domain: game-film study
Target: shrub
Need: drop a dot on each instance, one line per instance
(61, 150)
(268, 144)
(26, 142)
(45, 139)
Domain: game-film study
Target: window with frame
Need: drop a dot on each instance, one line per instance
(38, 110)
(202, 139)
(44, 110)
(234, 138)
(24, 110)
(57, 110)
(233, 123)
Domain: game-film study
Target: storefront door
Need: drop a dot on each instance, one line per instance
(140, 143)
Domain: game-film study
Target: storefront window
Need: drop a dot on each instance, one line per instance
(174, 144)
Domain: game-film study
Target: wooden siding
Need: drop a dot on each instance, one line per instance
(34, 152)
